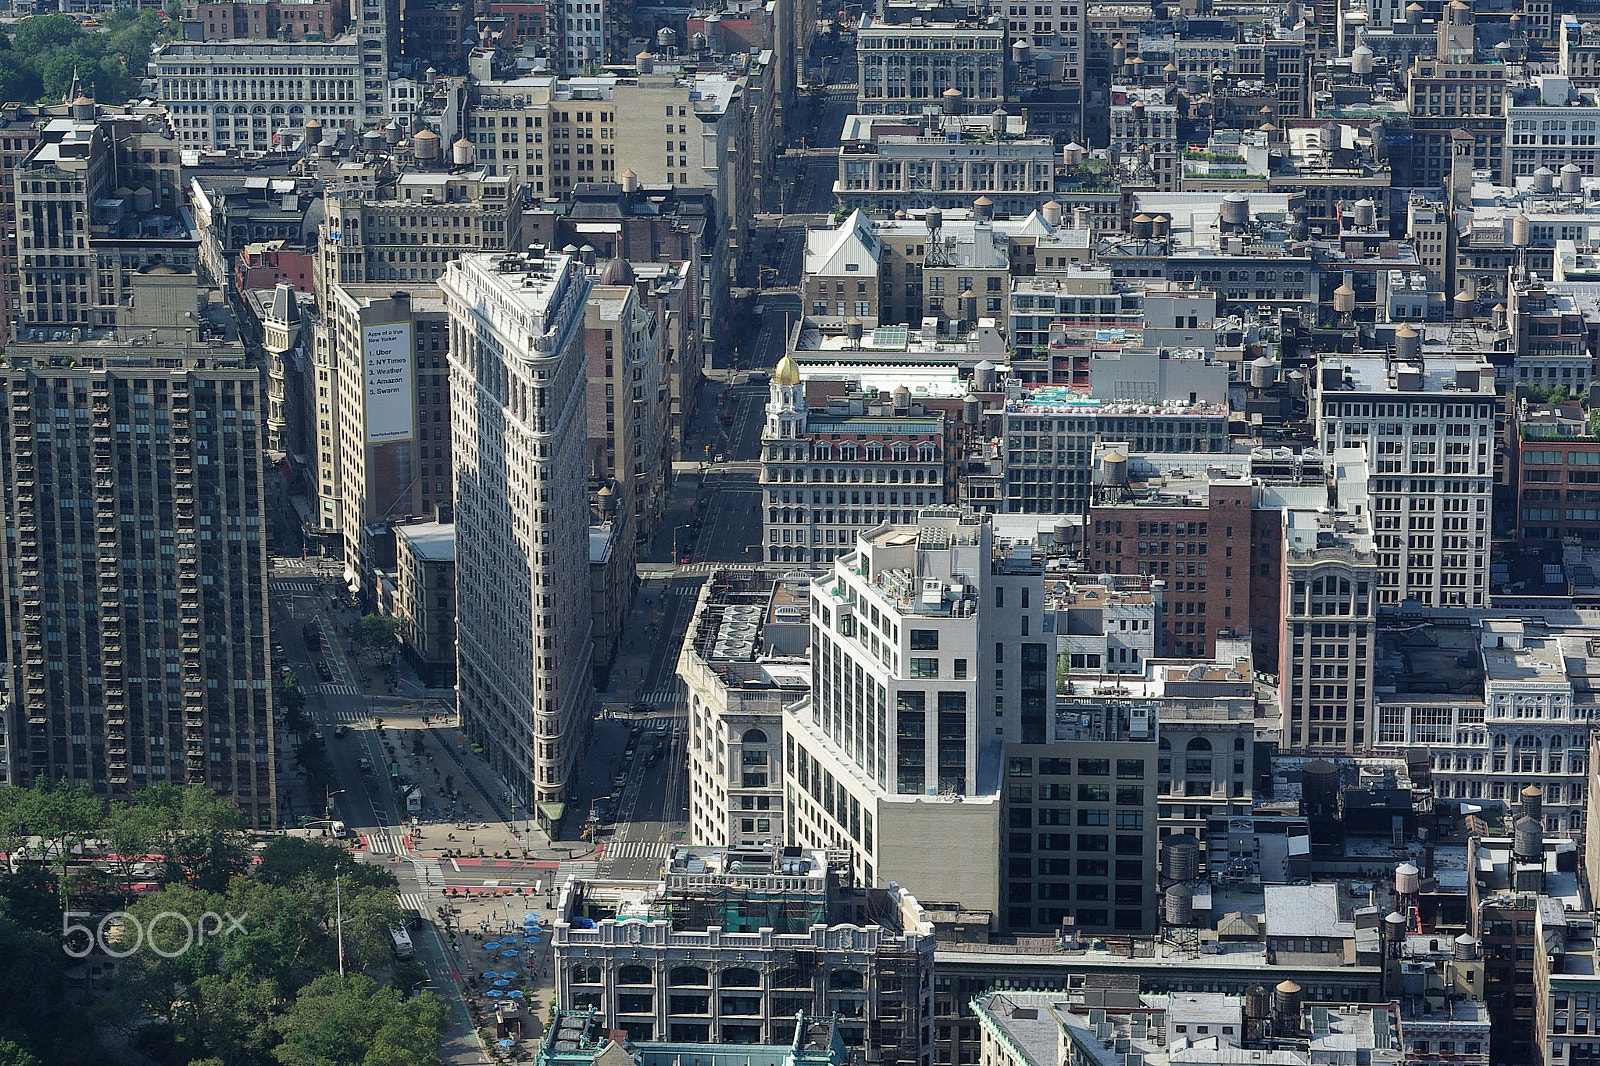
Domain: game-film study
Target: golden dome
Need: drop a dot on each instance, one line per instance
(786, 372)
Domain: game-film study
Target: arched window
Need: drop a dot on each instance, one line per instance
(753, 736)
(586, 975)
(1238, 743)
(845, 980)
(900, 451)
(634, 975)
(691, 976)
(925, 453)
(1164, 744)
(1199, 744)
(741, 977)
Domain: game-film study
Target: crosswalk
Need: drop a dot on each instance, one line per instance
(336, 688)
(283, 585)
(671, 725)
(344, 715)
(637, 849)
(414, 901)
(667, 694)
(382, 843)
(684, 590)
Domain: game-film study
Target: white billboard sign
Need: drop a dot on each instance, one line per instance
(386, 353)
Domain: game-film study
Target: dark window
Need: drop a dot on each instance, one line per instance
(924, 640)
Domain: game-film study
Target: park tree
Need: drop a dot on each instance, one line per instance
(378, 636)
(353, 1021)
(207, 845)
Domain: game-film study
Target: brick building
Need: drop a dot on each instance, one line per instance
(275, 20)
(1192, 534)
(1557, 475)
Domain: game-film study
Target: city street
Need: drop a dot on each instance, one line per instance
(473, 869)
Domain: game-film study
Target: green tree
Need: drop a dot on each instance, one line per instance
(40, 34)
(131, 832)
(229, 1017)
(407, 977)
(12, 1054)
(292, 698)
(290, 860)
(207, 846)
(61, 819)
(379, 636)
(352, 1021)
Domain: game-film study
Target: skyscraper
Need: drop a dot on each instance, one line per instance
(136, 611)
(522, 514)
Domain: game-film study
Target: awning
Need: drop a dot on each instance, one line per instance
(551, 812)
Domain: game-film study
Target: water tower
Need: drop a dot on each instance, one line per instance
(1179, 877)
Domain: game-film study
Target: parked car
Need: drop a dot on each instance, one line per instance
(340, 730)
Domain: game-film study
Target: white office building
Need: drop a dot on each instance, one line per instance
(244, 94)
(1428, 430)
(929, 654)
(522, 543)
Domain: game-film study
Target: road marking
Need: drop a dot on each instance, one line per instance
(638, 849)
(383, 843)
(282, 585)
(413, 901)
(336, 688)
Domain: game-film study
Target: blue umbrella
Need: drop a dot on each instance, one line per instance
(515, 993)
(530, 917)
(530, 940)
(493, 992)
(510, 975)
(508, 954)
(490, 975)
(505, 1043)
(493, 945)
(502, 983)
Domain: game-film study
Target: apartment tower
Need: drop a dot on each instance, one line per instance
(136, 606)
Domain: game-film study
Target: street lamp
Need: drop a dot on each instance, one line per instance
(327, 810)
